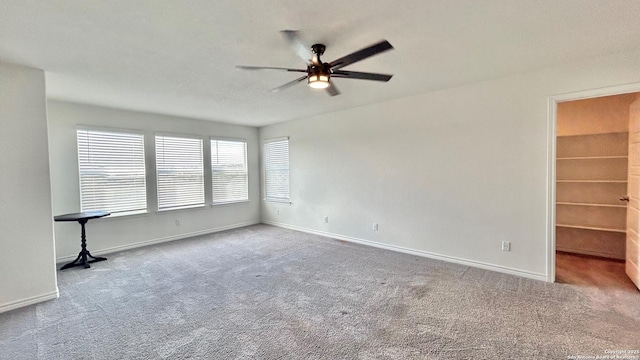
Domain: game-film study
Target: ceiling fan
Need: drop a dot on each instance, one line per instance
(319, 74)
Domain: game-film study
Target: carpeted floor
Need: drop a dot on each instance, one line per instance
(263, 292)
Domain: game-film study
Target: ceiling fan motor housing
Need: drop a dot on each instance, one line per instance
(318, 49)
(322, 69)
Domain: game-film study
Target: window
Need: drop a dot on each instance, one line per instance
(112, 172)
(229, 171)
(276, 170)
(180, 171)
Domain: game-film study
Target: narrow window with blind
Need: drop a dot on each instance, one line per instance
(229, 171)
(180, 172)
(276, 169)
(112, 172)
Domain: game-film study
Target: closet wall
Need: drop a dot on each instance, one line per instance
(591, 175)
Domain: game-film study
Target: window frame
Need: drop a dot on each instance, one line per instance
(266, 142)
(157, 175)
(89, 128)
(246, 165)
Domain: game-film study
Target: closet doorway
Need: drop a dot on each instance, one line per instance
(597, 149)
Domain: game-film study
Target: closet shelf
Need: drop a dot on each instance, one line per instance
(591, 157)
(591, 228)
(591, 181)
(587, 204)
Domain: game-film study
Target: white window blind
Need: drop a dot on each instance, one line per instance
(276, 165)
(180, 172)
(229, 171)
(112, 172)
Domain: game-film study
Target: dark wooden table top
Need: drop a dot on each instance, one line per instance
(81, 216)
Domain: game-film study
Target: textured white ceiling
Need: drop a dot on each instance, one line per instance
(178, 57)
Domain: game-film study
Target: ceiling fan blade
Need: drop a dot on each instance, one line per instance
(294, 38)
(361, 54)
(361, 75)
(268, 68)
(333, 90)
(289, 84)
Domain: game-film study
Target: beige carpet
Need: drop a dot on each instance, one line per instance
(263, 292)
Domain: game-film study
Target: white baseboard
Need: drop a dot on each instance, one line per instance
(453, 259)
(29, 301)
(160, 240)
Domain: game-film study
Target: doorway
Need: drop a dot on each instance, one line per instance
(590, 180)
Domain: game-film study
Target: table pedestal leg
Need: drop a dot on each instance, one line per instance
(81, 260)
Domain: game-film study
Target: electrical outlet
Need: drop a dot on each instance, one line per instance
(375, 226)
(177, 222)
(326, 219)
(506, 246)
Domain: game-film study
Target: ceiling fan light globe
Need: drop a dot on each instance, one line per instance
(319, 82)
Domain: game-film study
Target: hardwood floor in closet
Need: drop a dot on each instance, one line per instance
(592, 271)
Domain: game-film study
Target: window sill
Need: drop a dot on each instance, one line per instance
(278, 201)
(125, 216)
(191, 207)
(230, 203)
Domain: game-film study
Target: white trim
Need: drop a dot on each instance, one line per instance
(599, 92)
(109, 129)
(224, 138)
(230, 203)
(277, 200)
(551, 159)
(282, 138)
(160, 240)
(29, 301)
(550, 261)
(178, 135)
(185, 207)
(430, 255)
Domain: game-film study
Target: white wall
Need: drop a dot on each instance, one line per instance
(116, 233)
(27, 267)
(448, 174)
